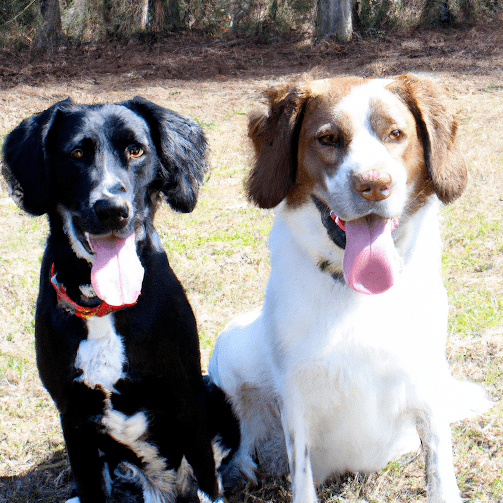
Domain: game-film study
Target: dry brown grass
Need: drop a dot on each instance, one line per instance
(220, 250)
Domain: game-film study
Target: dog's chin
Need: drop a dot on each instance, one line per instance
(80, 239)
(76, 235)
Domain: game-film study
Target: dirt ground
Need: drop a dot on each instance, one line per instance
(230, 62)
(215, 80)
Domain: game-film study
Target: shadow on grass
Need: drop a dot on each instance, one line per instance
(51, 482)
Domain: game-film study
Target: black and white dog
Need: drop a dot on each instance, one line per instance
(116, 339)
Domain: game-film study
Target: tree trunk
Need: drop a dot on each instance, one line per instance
(50, 26)
(174, 13)
(166, 14)
(437, 12)
(144, 14)
(333, 17)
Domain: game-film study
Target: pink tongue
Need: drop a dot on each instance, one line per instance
(117, 273)
(370, 258)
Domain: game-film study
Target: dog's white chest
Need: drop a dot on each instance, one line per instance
(101, 356)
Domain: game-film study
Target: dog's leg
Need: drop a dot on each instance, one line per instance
(299, 455)
(86, 463)
(202, 462)
(435, 434)
(241, 469)
(199, 453)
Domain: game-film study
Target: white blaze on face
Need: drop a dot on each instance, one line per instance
(371, 261)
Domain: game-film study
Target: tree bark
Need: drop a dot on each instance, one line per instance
(166, 14)
(174, 13)
(50, 26)
(333, 17)
(144, 14)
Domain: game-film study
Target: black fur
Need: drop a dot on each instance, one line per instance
(100, 191)
(335, 233)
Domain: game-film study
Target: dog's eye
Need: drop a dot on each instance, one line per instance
(395, 135)
(329, 140)
(135, 151)
(77, 153)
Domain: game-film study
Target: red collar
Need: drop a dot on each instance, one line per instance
(81, 311)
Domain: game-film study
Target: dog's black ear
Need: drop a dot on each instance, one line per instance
(181, 147)
(26, 163)
(274, 132)
(437, 127)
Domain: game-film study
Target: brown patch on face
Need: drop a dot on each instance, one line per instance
(277, 132)
(398, 130)
(322, 122)
(436, 129)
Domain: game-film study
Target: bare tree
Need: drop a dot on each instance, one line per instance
(166, 14)
(333, 17)
(174, 12)
(144, 14)
(437, 11)
(50, 26)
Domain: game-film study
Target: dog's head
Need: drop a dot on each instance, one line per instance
(72, 152)
(372, 152)
(102, 168)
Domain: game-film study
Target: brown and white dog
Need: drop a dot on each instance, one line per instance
(344, 367)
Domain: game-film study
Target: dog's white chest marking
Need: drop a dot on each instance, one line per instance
(101, 356)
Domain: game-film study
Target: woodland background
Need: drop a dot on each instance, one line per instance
(46, 24)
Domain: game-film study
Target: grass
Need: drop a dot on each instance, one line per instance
(220, 254)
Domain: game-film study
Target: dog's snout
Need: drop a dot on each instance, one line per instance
(113, 212)
(373, 185)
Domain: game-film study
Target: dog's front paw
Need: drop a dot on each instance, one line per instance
(447, 492)
(240, 470)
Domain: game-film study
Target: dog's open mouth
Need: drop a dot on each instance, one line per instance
(117, 273)
(371, 261)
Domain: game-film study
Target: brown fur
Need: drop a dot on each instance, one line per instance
(275, 138)
(280, 132)
(437, 127)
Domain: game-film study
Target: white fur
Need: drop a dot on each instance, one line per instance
(101, 356)
(327, 380)
(204, 498)
(355, 377)
(77, 247)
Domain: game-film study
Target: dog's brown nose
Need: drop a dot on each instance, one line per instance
(373, 185)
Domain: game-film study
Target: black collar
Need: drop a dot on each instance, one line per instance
(335, 233)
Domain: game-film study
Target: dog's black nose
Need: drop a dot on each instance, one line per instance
(112, 212)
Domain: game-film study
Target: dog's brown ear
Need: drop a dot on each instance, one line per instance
(437, 128)
(274, 131)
